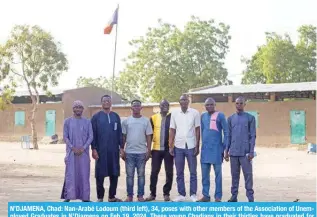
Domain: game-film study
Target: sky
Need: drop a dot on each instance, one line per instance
(79, 25)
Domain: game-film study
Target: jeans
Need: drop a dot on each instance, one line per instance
(205, 170)
(157, 158)
(180, 155)
(137, 161)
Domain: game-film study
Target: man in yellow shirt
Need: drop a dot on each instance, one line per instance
(160, 151)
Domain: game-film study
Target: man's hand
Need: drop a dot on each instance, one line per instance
(122, 154)
(226, 156)
(95, 154)
(80, 151)
(196, 151)
(148, 155)
(171, 150)
(250, 156)
(75, 150)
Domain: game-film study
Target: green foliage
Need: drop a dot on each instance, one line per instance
(6, 97)
(169, 61)
(31, 57)
(281, 61)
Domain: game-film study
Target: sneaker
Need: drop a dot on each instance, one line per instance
(233, 199)
(129, 199)
(66, 200)
(193, 198)
(141, 199)
(204, 199)
(179, 198)
(100, 200)
(150, 198)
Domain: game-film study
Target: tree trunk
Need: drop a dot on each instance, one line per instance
(33, 127)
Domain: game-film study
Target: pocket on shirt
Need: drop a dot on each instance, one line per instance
(115, 127)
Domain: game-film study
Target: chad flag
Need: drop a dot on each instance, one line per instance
(112, 22)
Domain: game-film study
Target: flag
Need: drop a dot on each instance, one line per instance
(113, 21)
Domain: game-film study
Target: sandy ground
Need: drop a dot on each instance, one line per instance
(27, 175)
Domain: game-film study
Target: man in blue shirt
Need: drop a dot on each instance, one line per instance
(240, 148)
(213, 124)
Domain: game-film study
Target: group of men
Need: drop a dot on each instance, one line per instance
(169, 137)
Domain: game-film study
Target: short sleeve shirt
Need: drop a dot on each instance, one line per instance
(185, 124)
(136, 130)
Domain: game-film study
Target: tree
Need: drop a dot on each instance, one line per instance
(32, 58)
(280, 61)
(6, 97)
(169, 61)
(103, 82)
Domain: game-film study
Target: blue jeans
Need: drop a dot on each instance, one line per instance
(180, 155)
(135, 161)
(205, 170)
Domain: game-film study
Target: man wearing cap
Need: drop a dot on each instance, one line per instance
(78, 135)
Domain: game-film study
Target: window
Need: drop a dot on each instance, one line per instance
(19, 118)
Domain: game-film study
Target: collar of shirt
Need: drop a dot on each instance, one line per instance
(240, 113)
(185, 129)
(188, 110)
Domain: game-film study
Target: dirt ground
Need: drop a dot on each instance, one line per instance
(280, 174)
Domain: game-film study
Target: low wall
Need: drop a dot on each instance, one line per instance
(10, 132)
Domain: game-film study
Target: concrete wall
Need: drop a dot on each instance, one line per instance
(10, 132)
(273, 118)
(89, 96)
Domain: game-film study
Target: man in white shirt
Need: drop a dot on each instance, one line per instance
(184, 143)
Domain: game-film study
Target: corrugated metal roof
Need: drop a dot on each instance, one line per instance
(255, 88)
(20, 93)
(129, 105)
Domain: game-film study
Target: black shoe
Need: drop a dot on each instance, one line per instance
(66, 201)
(232, 200)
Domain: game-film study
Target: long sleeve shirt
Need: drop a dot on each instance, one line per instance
(242, 134)
(214, 131)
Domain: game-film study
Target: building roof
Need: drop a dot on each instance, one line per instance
(54, 91)
(19, 93)
(255, 88)
(129, 105)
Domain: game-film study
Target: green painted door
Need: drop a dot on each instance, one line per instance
(19, 118)
(298, 127)
(50, 122)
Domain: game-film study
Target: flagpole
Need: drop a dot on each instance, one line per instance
(115, 52)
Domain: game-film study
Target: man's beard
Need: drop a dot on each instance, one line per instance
(78, 114)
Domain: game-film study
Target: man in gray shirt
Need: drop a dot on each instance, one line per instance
(137, 138)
